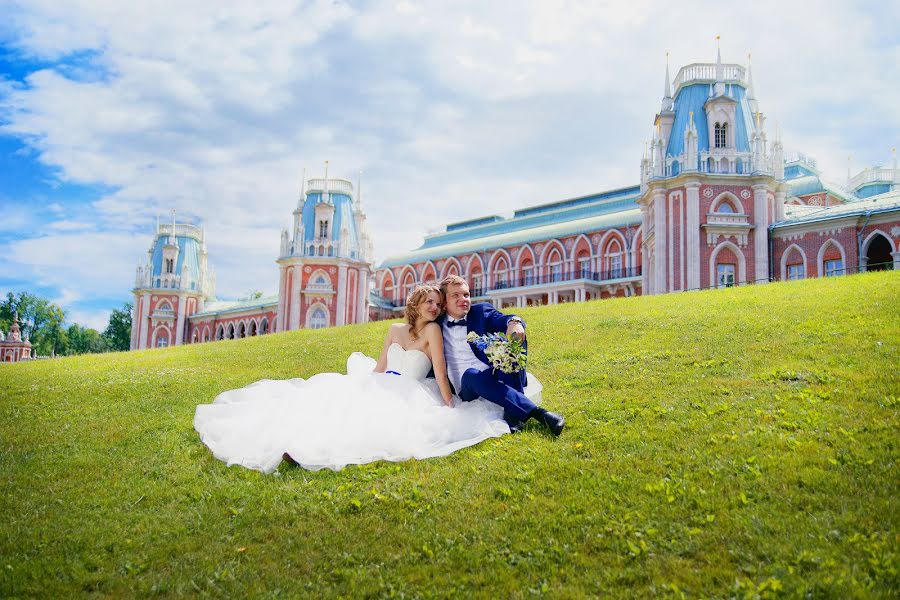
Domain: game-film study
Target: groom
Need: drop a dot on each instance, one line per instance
(468, 368)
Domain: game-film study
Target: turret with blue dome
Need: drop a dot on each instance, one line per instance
(711, 123)
(328, 221)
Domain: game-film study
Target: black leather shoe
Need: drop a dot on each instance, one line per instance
(551, 421)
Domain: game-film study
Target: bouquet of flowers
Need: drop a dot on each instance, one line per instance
(506, 354)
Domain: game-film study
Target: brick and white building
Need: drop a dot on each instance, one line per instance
(14, 347)
(325, 267)
(717, 205)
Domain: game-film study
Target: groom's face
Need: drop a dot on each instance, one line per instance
(458, 301)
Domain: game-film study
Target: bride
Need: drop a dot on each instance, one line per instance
(387, 410)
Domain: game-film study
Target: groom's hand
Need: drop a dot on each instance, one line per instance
(515, 329)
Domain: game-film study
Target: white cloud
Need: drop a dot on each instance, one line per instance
(94, 319)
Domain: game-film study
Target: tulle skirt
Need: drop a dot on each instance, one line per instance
(332, 420)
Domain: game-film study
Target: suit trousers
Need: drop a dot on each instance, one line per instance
(484, 384)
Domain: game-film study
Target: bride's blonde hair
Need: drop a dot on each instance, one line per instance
(412, 306)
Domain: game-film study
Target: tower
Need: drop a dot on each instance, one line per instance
(173, 284)
(710, 187)
(325, 264)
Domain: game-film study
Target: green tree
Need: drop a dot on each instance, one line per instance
(118, 332)
(84, 340)
(41, 320)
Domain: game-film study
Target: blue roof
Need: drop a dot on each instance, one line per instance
(884, 203)
(872, 189)
(343, 217)
(805, 180)
(693, 98)
(567, 217)
(189, 250)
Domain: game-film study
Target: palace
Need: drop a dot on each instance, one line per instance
(324, 267)
(717, 205)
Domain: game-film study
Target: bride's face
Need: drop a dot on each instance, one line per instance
(430, 307)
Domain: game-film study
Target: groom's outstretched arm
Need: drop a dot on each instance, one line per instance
(498, 322)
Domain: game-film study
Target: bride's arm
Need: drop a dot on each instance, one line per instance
(436, 347)
(381, 365)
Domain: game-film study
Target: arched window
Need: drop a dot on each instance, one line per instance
(614, 259)
(584, 264)
(264, 326)
(721, 136)
(220, 333)
(318, 319)
(162, 340)
(170, 265)
(323, 229)
(725, 207)
(500, 274)
(554, 266)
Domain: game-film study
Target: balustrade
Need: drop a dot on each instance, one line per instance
(562, 277)
(878, 174)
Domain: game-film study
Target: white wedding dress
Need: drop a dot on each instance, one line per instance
(332, 420)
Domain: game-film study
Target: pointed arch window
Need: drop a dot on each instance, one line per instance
(323, 229)
(170, 265)
(318, 319)
(721, 136)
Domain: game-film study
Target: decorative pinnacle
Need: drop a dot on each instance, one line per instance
(667, 93)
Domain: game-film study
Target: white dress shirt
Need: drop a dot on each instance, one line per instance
(458, 354)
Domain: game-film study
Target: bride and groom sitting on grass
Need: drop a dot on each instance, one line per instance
(400, 407)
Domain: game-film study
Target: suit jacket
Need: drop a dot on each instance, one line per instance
(484, 318)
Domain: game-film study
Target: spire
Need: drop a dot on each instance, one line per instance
(157, 224)
(359, 190)
(849, 159)
(325, 196)
(172, 234)
(667, 89)
(896, 172)
(302, 190)
(751, 93)
(720, 69)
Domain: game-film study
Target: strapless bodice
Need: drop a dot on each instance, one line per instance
(412, 363)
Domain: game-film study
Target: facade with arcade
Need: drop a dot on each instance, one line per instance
(717, 205)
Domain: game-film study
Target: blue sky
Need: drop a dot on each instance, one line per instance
(111, 114)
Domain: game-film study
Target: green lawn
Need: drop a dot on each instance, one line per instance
(734, 443)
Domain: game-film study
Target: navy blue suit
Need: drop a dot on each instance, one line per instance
(500, 388)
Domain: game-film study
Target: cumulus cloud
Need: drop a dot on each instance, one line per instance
(451, 110)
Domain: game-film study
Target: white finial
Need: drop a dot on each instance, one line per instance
(720, 70)
(173, 226)
(849, 159)
(302, 189)
(896, 172)
(359, 190)
(325, 197)
(667, 89)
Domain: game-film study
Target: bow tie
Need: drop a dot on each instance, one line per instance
(460, 323)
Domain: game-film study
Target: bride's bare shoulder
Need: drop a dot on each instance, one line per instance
(432, 330)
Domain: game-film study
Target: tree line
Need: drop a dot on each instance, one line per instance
(45, 325)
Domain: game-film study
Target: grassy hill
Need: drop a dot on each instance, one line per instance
(740, 442)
